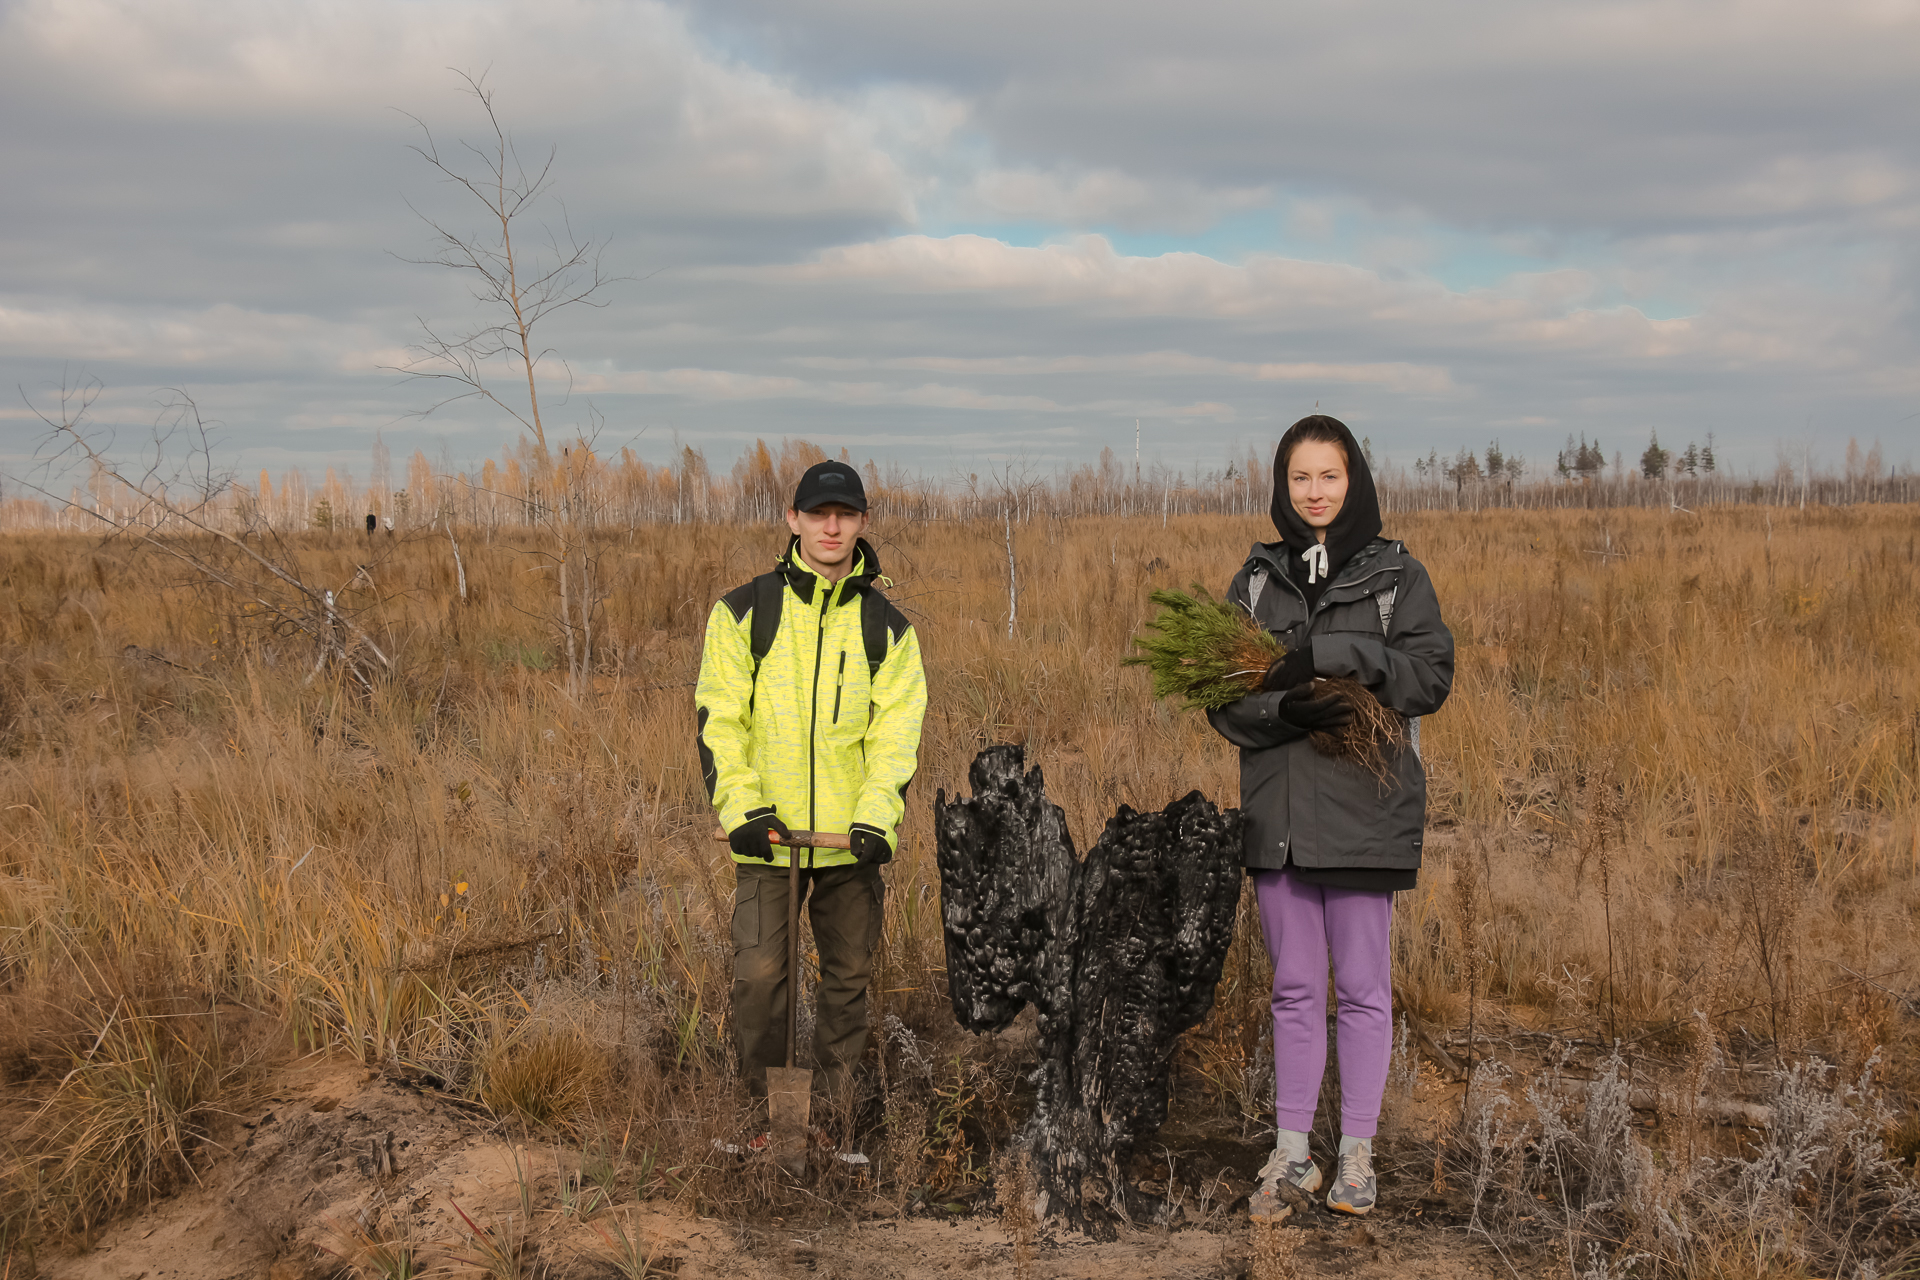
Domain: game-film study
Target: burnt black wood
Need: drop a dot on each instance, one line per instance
(1118, 954)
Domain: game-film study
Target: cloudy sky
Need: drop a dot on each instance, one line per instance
(945, 234)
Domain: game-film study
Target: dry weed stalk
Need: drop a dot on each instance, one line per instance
(1464, 879)
(1603, 826)
(1702, 1041)
(1014, 1196)
(905, 1109)
(1779, 938)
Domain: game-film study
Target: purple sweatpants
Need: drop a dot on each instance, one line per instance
(1303, 922)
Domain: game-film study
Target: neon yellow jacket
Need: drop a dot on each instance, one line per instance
(814, 737)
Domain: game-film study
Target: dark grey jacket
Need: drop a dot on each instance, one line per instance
(1327, 812)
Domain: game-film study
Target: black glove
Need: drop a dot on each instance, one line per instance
(1294, 669)
(1299, 708)
(869, 844)
(749, 839)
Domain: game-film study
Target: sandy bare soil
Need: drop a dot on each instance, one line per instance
(330, 1144)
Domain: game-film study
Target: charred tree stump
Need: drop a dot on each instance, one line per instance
(1118, 954)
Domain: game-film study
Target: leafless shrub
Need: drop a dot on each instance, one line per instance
(171, 501)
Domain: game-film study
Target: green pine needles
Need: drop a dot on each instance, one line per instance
(1207, 652)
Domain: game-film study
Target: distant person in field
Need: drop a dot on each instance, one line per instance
(809, 701)
(1328, 844)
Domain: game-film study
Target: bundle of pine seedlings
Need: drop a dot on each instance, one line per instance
(1209, 653)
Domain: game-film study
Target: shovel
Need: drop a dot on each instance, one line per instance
(790, 1088)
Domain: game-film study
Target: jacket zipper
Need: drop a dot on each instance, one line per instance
(813, 703)
(839, 684)
(1306, 630)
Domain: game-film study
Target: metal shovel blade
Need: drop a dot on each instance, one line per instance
(789, 1103)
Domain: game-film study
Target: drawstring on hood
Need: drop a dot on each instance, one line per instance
(1357, 523)
(801, 576)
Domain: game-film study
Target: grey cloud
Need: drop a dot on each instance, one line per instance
(168, 184)
(214, 198)
(1106, 197)
(1622, 117)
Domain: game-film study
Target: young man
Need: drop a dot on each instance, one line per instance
(812, 724)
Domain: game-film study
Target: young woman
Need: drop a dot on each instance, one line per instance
(1328, 844)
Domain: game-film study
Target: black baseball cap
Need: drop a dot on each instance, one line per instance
(830, 482)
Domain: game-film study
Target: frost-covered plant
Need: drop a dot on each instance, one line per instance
(1488, 1131)
(912, 1056)
(1606, 1134)
(1821, 1180)
(1599, 1267)
(1817, 1189)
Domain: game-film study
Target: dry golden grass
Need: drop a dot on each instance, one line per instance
(1665, 730)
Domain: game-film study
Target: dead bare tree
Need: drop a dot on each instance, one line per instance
(1016, 489)
(518, 292)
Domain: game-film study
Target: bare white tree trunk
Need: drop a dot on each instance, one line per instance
(566, 624)
(1013, 580)
(459, 566)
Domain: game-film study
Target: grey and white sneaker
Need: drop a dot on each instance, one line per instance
(1354, 1189)
(1266, 1201)
(849, 1154)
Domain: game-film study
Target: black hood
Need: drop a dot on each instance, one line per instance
(801, 578)
(1357, 524)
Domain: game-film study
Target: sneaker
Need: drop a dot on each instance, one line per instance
(1266, 1201)
(823, 1141)
(1353, 1186)
(746, 1146)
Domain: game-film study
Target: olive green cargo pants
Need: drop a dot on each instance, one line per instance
(846, 905)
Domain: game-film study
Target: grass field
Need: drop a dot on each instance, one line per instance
(1673, 805)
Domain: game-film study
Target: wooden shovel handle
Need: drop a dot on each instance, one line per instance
(799, 839)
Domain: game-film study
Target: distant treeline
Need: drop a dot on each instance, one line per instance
(622, 490)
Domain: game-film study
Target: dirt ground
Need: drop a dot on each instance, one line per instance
(328, 1144)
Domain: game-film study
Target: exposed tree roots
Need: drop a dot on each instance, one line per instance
(1374, 739)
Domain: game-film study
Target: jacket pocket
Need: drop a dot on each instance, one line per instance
(1280, 608)
(1360, 616)
(852, 696)
(1365, 822)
